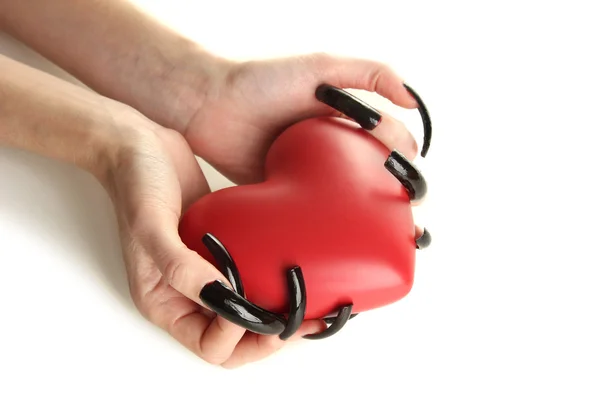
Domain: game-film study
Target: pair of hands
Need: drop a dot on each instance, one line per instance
(237, 111)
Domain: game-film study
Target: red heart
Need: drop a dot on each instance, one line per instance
(327, 205)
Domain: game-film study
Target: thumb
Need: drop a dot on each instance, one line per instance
(197, 279)
(182, 269)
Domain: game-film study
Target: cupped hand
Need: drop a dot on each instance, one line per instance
(152, 178)
(247, 105)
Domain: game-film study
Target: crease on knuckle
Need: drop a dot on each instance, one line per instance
(374, 79)
(174, 272)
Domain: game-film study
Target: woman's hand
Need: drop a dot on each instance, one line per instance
(230, 112)
(152, 176)
(244, 106)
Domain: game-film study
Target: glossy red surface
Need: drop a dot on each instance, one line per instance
(327, 205)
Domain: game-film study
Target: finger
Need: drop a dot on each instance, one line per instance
(388, 130)
(189, 324)
(188, 273)
(370, 119)
(194, 331)
(364, 74)
(376, 77)
(394, 135)
(253, 347)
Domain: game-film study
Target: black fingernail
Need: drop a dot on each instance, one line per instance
(234, 308)
(410, 177)
(297, 291)
(344, 315)
(425, 118)
(224, 262)
(424, 240)
(351, 106)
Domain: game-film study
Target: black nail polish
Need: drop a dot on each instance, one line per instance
(424, 240)
(426, 120)
(224, 262)
(344, 315)
(351, 106)
(410, 177)
(297, 290)
(233, 307)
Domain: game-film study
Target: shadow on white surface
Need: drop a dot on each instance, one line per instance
(68, 210)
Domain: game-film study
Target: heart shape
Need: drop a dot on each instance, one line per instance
(329, 223)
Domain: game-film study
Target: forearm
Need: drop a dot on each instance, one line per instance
(47, 116)
(114, 48)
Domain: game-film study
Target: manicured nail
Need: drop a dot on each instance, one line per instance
(424, 240)
(351, 106)
(224, 262)
(425, 117)
(410, 177)
(234, 308)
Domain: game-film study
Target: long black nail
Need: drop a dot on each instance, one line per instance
(224, 262)
(425, 118)
(424, 240)
(297, 291)
(410, 177)
(351, 106)
(340, 320)
(234, 308)
(331, 320)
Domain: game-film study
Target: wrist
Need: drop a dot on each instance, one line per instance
(185, 81)
(121, 132)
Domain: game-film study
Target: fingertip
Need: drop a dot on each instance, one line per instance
(308, 328)
(407, 99)
(394, 134)
(220, 340)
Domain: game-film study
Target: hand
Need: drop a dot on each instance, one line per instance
(230, 112)
(246, 105)
(153, 176)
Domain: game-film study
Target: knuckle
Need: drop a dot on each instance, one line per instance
(374, 77)
(174, 272)
(318, 60)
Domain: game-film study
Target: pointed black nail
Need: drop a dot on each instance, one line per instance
(339, 322)
(330, 320)
(234, 308)
(424, 240)
(297, 291)
(351, 106)
(410, 177)
(224, 262)
(425, 118)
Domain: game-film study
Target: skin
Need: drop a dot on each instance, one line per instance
(141, 146)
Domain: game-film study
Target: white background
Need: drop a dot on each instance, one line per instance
(506, 300)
